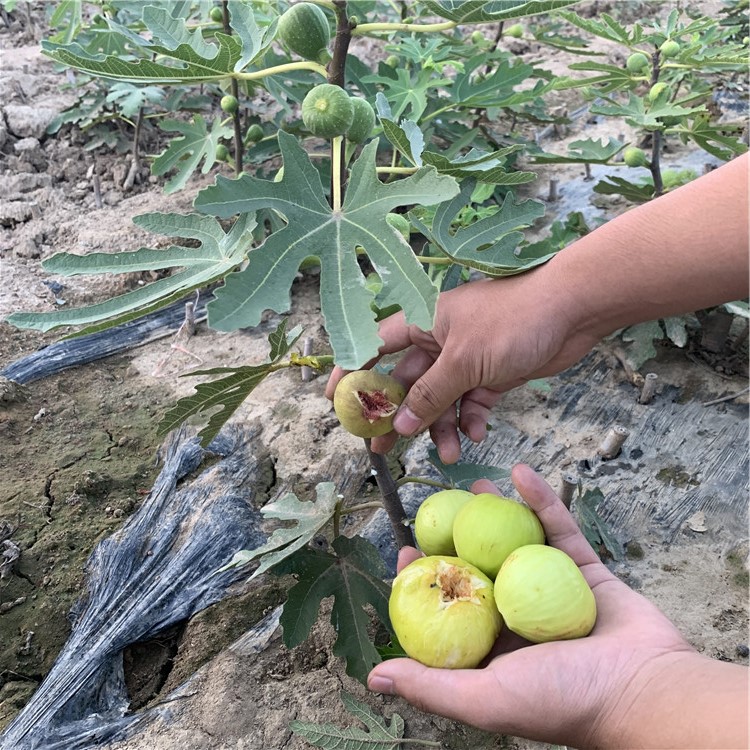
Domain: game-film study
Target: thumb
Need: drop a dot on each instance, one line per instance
(460, 694)
(433, 394)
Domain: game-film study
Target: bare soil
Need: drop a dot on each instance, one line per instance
(79, 453)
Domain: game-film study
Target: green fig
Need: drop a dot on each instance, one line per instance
(636, 62)
(365, 402)
(443, 612)
(489, 527)
(543, 596)
(634, 156)
(433, 524)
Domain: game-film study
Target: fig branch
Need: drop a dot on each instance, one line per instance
(337, 77)
(391, 501)
(238, 143)
(656, 136)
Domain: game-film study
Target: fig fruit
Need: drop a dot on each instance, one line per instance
(433, 525)
(400, 223)
(636, 62)
(363, 121)
(327, 110)
(634, 156)
(305, 30)
(365, 402)
(443, 612)
(656, 90)
(670, 48)
(516, 31)
(216, 15)
(222, 152)
(392, 61)
(229, 104)
(543, 596)
(254, 133)
(488, 528)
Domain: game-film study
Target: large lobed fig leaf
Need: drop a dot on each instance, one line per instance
(334, 237)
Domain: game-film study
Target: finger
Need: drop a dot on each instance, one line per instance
(333, 380)
(445, 436)
(428, 398)
(474, 411)
(407, 555)
(559, 525)
(462, 694)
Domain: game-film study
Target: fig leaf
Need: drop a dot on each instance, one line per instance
(353, 574)
(313, 228)
(381, 736)
(308, 517)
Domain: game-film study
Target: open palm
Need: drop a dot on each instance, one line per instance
(564, 691)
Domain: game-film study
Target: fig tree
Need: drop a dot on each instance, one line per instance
(327, 110)
(443, 612)
(543, 596)
(365, 402)
(636, 62)
(488, 528)
(433, 525)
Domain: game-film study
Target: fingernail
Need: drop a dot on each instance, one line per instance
(406, 422)
(379, 684)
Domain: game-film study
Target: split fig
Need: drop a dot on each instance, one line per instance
(488, 528)
(365, 402)
(443, 612)
(433, 525)
(543, 596)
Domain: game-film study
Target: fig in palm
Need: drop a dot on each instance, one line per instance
(489, 527)
(543, 596)
(443, 612)
(365, 402)
(433, 524)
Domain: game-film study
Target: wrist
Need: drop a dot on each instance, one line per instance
(678, 700)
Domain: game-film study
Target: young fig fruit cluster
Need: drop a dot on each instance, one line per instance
(365, 402)
(479, 546)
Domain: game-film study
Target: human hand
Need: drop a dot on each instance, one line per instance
(578, 692)
(489, 336)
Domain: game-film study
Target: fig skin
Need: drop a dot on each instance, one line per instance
(543, 596)
(433, 525)
(443, 612)
(489, 527)
(365, 402)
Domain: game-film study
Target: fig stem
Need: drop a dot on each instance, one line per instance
(422, 480)
(391, 501)
(374, 505)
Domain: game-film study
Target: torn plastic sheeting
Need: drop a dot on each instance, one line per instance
(158, 569)
(67, 353)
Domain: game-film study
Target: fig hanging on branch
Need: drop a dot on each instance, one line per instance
(365, 402)
(305, 30)
(327, 111)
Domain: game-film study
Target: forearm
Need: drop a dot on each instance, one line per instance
(688, 701)
(685, 251)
